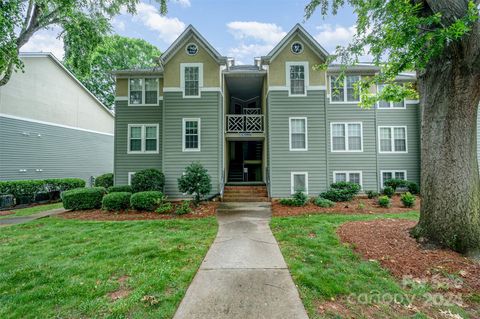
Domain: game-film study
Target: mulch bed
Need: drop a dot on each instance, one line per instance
(370, 207)
(6, 213)
(389, 242)
(203, 210)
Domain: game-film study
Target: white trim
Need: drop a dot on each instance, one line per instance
(52, 124)
(292, 191)
(285, 88)
(306, 75)
(391, 107)
(347, 145)
(344, 90)
(129, 179)
(121, 98)
(348, 176)
(182, 79)
(172, 89)
(393, 174)
(198, 120)
(392, 139)
(143, 90)
(142, 138)
(204, 89)
(412, 101)
(290, 134)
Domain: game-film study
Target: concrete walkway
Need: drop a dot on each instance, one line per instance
(29, 218)
(244, 274)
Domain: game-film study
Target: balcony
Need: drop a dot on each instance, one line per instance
(245, 123)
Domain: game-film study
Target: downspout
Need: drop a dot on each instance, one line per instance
(327, 160)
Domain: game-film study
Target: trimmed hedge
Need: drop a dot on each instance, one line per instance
(147, 201)
(63, 184)
(83, 198)
(116, 201)
(120, 188)
(341, 192)
(104, 180)
(149, 179)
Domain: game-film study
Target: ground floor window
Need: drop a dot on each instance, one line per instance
(299, 182)
(130, 176)
(348, 176)
(398, 174)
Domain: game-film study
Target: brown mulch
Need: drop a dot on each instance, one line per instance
(6, 213)
(370, 206)
(203, 210)
(389, 242)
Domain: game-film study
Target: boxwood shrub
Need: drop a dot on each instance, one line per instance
(408, 199)
(395, 183)
(63, 184)
(297, 199)
(120, 188)
(104, 180)
(148, 201)
(23, 191)
(150, 179)
(413, 188)
(341, 192)
(116, 201)
(323, 202)
(83, 198)
(388, 191)
(384, 201)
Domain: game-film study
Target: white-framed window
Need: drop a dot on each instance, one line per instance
(344, 91)
(143, 91)
(143, 138)
(297, 78)
(389, 174)
(346, 137)
(299, 182)
(348, 176)
(130, 176)
(389, 105)
(392, 139)
(191, 79)
(191, 129)
(298, 132)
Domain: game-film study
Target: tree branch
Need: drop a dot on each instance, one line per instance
(27, 16)
(8, 73)
(450, 10)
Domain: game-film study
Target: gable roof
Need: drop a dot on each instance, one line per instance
(191, 31)
(302, 33)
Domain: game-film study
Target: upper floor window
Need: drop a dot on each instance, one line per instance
(142, 138)
(298, 134)
(344, 91)
(346, 137)
(297, 78)
(386, 104)
(191, 79)
(191, 134)
(392, 139)
(143, 91)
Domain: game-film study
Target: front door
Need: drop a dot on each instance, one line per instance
(245, 161)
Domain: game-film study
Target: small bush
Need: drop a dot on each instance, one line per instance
(195, 181)
(372, 194)
(63, 184)
(395, 183)
(297, 199)
(183, 208)
(413, 188)
(83, 198)
(361, 206)
(147, 201)
(341, 192)
(104, 180)
(120, 188)
(323, 202)
(150, 179)
(164, 208)
(388, 191)
(384, 201)
(408, 199)
(116, 201)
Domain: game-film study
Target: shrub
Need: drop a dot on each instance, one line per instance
(104, 180)
(183, 208)
(297, 199)
(116, 201)
(63, 184)
(323, 202)
(164, 208)
(361, 206)
(120, 188)
(395, 183)
(413, 188)
(195, 181)
(372, 194)
(148, 201)
(83, 198)
(384, 201)
(341, 191)
(150, 179)
(388, 191)
(408, 199)
(23, 191)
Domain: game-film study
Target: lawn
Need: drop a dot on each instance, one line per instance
(83, 269)
(32, 210)
(329, 275)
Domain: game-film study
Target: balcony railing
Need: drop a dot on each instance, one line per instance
(244, 123)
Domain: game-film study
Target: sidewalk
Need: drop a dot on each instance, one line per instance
(25, 219)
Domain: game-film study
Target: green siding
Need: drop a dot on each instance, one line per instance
(124, 163)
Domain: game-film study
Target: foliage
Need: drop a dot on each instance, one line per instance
(323, 202)
(195, 181)
(165, 208)
(372, 194)
(388, 191)
(116, 201)
(150, 179)
(120, 188)
(83, 198)
(341, 191)
(395, 183)
(63, 184)
(361, 206)
(147, 201)
(104, 180)
(384, 201)
(297, 199)
(413, 188)
(408, 199)
(183, 208)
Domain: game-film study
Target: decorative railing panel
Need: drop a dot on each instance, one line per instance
(244, 123)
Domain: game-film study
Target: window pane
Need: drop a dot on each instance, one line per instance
(298, 133)
(297, 79)
(151, 91)
(386, 176)
(351, 96)
(151, 132)
(191, 81)
(354, 137)
(298, 141)
(299, 182)
(400, 141)
(354, 178)
(191, 135)
(135, 145)
(398, 104)
(385, 140)
(336, 89)
(135, 132)
(340, 177)
(338, 137)
(136, 87)
(151, 145)
(400, 175)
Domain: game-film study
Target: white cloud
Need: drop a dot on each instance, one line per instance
(183, 3)
(45, 41)
(118, 24)
(244, 53)
(264, 32)
(168, 28)
(332, 36)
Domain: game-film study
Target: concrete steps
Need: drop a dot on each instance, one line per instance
(245, 194)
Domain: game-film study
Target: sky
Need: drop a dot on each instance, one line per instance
(240, 29)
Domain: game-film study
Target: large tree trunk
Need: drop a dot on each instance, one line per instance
(450, 210)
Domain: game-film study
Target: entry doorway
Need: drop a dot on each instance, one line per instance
(245, 161)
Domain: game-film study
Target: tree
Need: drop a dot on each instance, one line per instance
(440, 39)
(83, 23)
(114, 53)
(195, 181)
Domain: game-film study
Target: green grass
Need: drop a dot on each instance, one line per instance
(33, 210)
(66, 268)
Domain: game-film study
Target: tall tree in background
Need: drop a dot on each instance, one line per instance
(440, 39)
(83, 23)
(114, 53)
